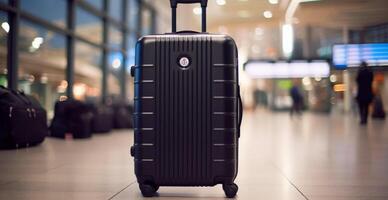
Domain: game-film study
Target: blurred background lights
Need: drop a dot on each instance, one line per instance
(333, 78)
(116, 63)
(287, 40)
(220, 2)
(5, 26)
(273, 1)
(197, 10)
(267, 14)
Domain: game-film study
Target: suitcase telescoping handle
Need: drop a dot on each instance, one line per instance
(174, 5)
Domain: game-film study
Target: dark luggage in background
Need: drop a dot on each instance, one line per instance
(102, 121)
(23, 121)
(122, 118)
(378, 108)
(187, 109)
(72, 118)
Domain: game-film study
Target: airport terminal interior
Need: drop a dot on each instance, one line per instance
(302, 74)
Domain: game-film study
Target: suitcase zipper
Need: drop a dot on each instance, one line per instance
(10, 112)
(33, 112)
(29, 112)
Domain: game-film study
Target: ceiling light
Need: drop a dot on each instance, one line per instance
(243, 14)
(5, 26)
(221, 2)
(287, 40)
(197, 11)
(273, 1)
(267, 14)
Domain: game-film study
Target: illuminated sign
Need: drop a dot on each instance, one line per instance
(295, 69)
(351, 55)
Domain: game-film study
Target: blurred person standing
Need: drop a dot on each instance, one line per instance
(297, 100)
(364, 91)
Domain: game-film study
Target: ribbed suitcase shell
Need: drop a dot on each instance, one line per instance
(185, 120)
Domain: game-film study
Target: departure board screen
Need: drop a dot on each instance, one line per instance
(351, 55)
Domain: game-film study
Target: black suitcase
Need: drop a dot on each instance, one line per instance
(23, 121)
(187, 109)
(102, 121)
(122, 118)
(71, 118)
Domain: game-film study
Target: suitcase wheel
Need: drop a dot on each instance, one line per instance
(148, 190)
(230, 190)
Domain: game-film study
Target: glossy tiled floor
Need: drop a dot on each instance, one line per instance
(315, 157)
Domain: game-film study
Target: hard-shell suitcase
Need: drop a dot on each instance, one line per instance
(187, 109)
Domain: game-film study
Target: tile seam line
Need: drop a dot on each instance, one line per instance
(289, 181)
(117, 193)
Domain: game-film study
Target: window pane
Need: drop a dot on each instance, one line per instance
(132, 39)
(88, 25)
(146, 22)
(42, 64)
(133, 14)
(96, 3)
(88, 73)
(3, 48)
(115, 37)
(115, 61)
(44, 9)
(115, 8)
(131, 50)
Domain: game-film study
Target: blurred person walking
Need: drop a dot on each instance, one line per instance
(364, 91)
(297, 100)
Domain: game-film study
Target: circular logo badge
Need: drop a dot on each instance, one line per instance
(184, 62)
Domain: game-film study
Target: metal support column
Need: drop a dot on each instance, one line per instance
(124, 46)
(70, 48)
(139, 25)
(12, 56)
(347, 76)
(104, 62)
(153, 21)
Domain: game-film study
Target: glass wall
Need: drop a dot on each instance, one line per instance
(44, 9)
(42, 63)
(146, 22)
(3, 48)
(115, 37)
(44, 58)
(87, 72)
(115, 61)
(115, 9)
(133, 14)
(88, 25)
(96, 3)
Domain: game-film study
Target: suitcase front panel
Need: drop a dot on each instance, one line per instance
(194, 121)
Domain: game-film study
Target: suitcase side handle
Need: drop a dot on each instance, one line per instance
(174, 5)
(240, 112)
